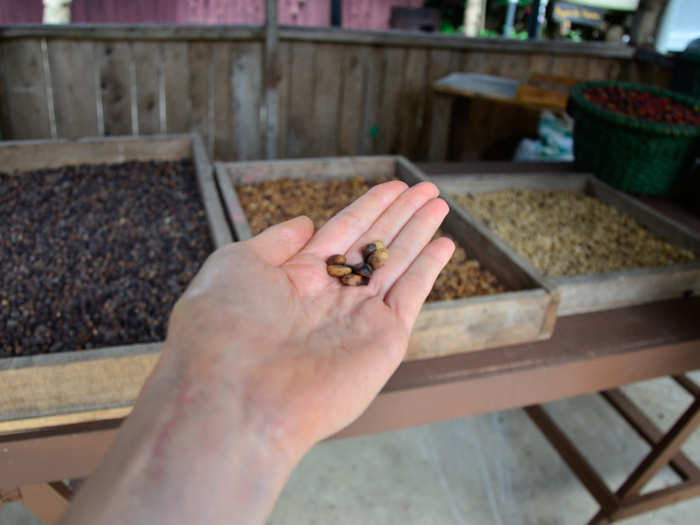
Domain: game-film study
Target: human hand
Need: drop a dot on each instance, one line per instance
(265, 355)
(309, 353)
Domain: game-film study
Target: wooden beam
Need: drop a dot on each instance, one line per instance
(688, 385)
(47, 501)
(329, 35)
(645, 23)
(683, 466)
(573, 458)
(272, 79)
(662, 452)
(657, 499)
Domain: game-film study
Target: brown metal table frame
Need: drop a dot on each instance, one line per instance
(588, 353)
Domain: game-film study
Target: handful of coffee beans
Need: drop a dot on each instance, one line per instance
(375, 255)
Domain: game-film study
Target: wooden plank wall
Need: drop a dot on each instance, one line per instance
(337, 97)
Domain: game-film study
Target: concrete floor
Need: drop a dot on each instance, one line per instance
(490, 469)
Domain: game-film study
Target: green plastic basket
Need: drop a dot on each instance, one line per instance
(634, 155)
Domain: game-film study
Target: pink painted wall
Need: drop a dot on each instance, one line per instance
(372, 14)
(122, 11)
(357, 14)
(252, 12)
(21, 11)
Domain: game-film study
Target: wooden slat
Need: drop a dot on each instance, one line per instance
(34, 391)
(301, 94)
(18, 156)
(199, 57)
(73, 67)
(370, 111)
(317, 34)
(114, 60)
(597, 69)
(433, 141)
(581, 69)
(688, 385)
(411, 112)
(657, 499)
(223, 112)
(473, 62)
(354, 60)
(216, 217)
(326, 101)
(284, 51)
(563, 66)
(24, 83)
(657, 222)
(270, 80)
(541, 64)
(147, 68)
(247, 101)
(177, 86)
(5, 125)
(393, 65)
(514, 65)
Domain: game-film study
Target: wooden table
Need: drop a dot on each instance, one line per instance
(588, 353)
(509, 91)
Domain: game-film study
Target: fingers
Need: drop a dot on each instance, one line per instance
(410, 242)
(409, 292)
(282, 241)
(339, 233)
(390, 223)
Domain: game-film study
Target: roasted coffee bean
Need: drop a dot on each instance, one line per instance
(378, 258)
(81, 245)
(336, 259)
(354, 279)
(371, 248)
(365, 270)
(338, 270)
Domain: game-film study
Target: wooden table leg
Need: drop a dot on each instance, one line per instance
(47, 501)
(628, 501)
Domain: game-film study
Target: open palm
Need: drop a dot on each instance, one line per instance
(307, 351)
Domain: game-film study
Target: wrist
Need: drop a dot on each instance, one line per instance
(216, 386)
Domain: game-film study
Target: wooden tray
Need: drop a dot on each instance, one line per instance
(70, 387)
(588, 293)
(446, 327)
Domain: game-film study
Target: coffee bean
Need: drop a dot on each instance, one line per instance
(354, 279)
(336, 259)
(338, 270)
(81, 243)
(365, 270)
(371, 247)
(377, 259)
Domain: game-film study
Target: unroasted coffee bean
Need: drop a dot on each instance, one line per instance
(354, 279)
(371, 248)
(378, 258)
(336, 259)
(338, 270)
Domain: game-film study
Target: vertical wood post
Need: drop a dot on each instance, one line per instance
(272, 79)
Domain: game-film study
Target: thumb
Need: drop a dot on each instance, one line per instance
(280, 242)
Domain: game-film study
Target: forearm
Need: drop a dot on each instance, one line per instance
(192, 451)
